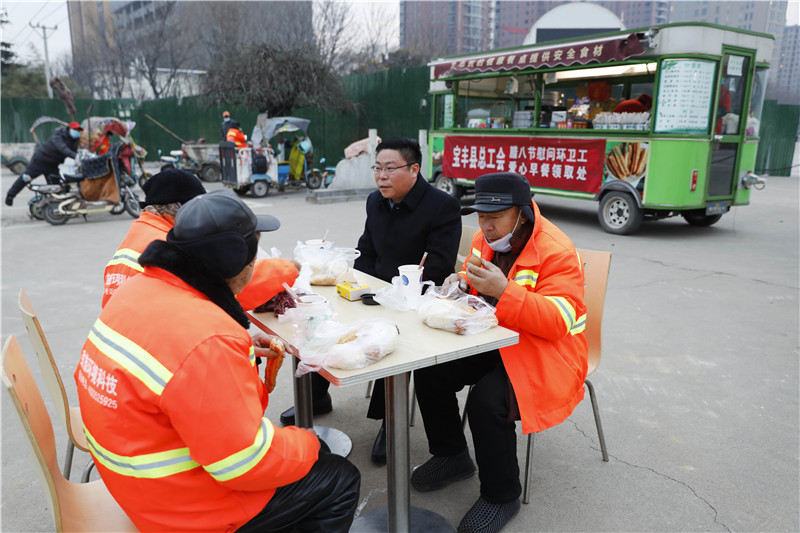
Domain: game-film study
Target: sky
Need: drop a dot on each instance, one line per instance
(21, 13)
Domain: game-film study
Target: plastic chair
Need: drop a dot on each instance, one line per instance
(71, 416)
(76, 506)
(596, 266)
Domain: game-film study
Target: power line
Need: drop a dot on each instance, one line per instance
(58, 6)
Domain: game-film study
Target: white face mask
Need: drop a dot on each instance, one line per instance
(503, 244)
(74, 134)
(226, 119)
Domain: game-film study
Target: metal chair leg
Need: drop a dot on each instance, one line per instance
(370, 384)
(464, 413)
(68, 459)
(87, 471)
(596, 410)
(413, 399)
(526, 486)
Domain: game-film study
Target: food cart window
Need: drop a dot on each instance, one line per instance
(482, 103)
(756, 102)
(685, 91)
(731, 94)
(444, 111)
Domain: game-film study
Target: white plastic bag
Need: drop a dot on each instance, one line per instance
(348, 346)
(394, 296)
(451, 309)
(327, 264)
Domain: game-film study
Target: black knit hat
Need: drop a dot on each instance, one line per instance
(220, 230)
(171, 186)
(501, 191)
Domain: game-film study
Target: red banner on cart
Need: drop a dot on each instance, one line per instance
(567, 164)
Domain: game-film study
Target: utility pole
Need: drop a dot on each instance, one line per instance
(46, 56)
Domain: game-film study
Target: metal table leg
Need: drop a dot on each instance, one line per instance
(338, 441)
(400, 517)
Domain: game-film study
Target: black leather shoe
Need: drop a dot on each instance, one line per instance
(322, 407)
(379, 448)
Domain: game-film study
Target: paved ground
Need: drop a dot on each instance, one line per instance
(698, 387)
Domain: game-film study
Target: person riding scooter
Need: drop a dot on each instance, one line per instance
(47, 158)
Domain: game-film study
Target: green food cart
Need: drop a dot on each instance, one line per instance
(650, 123)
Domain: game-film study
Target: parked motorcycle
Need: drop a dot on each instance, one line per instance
(63, 198)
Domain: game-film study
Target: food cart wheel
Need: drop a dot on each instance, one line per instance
(449, 186)
(619, 213)
(210, 172)
(260, 188)
(241, 191)
(701, 220)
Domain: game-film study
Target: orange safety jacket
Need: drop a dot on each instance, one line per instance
(236, 136)
(543, 301)
(268, 274)
(173, 411)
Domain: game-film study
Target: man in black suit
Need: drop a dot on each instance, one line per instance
(406, 217)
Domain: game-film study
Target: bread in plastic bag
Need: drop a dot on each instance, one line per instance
(348, 346)
(450, 309)
(326, 263)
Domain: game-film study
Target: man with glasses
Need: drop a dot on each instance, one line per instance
(406, 217)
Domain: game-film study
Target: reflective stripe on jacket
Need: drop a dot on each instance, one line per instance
(268, 274)
(237, 137)
(544, 303)
(125, 262)
(173, 410)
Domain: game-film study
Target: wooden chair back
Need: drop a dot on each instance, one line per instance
(596, 266)
(76, 506)
(71, 416)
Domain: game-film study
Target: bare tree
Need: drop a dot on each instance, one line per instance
(159, 54)
(276, 80)
(334, 31)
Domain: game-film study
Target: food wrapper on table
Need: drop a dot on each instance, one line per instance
(348, 346)
(327, 264)
(450, 309)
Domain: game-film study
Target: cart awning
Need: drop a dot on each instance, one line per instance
(601, 50)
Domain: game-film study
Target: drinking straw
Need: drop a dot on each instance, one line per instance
(424, 256)
(291, 292)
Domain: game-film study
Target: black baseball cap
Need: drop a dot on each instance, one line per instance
(500, 191)
(220, 230)
(171, 186)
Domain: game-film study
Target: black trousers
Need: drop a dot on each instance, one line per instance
(324, 500)
(377, 403)
(33, 170)
(493, 434)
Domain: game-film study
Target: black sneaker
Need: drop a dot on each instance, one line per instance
(485, 517)
(9, 200)
(440, 471)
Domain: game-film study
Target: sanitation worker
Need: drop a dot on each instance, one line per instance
(165, 193)
(172, 403)
(529, 270)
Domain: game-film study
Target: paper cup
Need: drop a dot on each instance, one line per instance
(319, 243)
(411, 281)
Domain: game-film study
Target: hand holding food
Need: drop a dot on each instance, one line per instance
(488, 280)
(273, 364)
